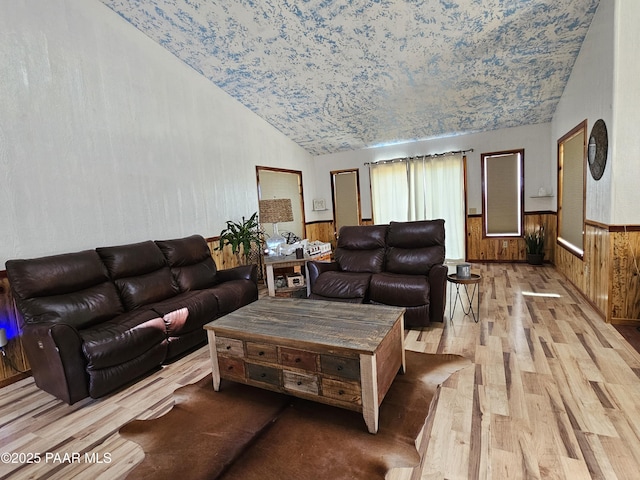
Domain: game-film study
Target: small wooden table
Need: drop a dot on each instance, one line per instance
(289, 261)
(474, 280)
(340, 354)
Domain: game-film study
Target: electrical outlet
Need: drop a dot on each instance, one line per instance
(505, 244)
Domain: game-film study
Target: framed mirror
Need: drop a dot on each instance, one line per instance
(278, 183)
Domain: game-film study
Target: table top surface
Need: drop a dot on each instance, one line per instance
(474, 278)
(277, 259)
(303, 322)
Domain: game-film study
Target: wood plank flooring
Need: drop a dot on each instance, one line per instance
(553, 393)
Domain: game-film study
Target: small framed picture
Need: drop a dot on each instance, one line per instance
(319, 204)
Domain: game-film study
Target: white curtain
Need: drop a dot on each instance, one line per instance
(423, 188)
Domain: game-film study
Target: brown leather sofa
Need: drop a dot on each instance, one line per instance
(400, 264)
(95, 320)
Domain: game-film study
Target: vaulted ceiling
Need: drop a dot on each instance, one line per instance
(349, 74)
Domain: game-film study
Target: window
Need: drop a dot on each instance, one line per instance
(502, 193)
(423, 188)
(571, 181)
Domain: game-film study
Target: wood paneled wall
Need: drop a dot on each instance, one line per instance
(481, 249)
(15, 356)
(322, 232)
(608, 273)
(624, 287)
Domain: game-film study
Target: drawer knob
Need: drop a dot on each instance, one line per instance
(298, 360)
(262, 375)
(230, 367)
(260, 354)
(339, 368)
(299, 383)
(340, 392)
(228, 347)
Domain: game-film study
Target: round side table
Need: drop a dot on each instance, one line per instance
(465, 282)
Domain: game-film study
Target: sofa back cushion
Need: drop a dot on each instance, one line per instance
(140, 272)
(71, 288)
(190, 261)
(361, 248)
(414, 247)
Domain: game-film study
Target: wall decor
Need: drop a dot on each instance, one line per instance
(597, 149)
(319, 204)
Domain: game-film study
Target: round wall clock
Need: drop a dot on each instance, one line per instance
(597, 150)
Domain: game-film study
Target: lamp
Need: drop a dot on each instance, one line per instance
(275, 211)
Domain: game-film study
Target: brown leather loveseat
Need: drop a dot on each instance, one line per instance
(400, 264)
(95, 320)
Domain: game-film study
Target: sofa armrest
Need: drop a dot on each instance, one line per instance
(241, 272)
(55, 355)
(438, 288)
(315, 268)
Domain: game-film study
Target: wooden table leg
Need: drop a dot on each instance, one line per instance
(271, 282)
(215, 369)
(369, 383)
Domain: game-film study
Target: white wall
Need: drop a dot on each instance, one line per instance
(106, 138)
(539, 162)
(625, 154)
(589, 95)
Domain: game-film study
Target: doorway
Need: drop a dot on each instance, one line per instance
(345, 190)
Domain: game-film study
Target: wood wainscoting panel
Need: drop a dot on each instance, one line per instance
(322, 232)
(625, 276)
(10, 320)
(480, 248)
(597, 268)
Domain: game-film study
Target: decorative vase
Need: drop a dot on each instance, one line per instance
(535, 258)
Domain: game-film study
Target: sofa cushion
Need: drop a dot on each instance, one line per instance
(342, 285)
(105, 380)
(399, 290)
(72, 288)
(361, 248)
(417, 261)
(140, 272)
(132, 260)
(422, 233)
(122, 339)
(360, 261)
(143, 290)
(234, 294)
(187, 311)
(190, 261)
(414, 247)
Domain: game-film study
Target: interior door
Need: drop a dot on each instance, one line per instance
(345, 186)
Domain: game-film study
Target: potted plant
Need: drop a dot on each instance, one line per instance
(534, 240)
(240, 234)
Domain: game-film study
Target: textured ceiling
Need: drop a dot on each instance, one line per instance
(348, 74)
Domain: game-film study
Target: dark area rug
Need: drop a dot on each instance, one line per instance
(243, 432)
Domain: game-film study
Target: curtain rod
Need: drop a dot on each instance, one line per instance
(431, 155)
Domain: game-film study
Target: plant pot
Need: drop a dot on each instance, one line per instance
(535, 258)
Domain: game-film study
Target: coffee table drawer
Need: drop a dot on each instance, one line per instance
(349, 392)
(291, 357)
(263, 373)
(229, 346)
(231, 368)
(300, 382)
(262, 351)
(348, 368)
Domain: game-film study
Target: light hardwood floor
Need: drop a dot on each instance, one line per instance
(553, 392)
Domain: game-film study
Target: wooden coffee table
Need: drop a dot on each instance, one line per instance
(346, 355)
